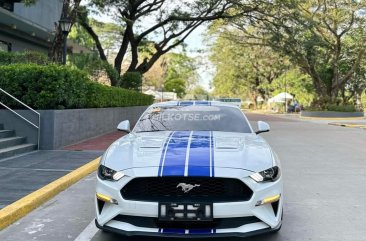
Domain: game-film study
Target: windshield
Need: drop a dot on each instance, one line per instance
(193, 118)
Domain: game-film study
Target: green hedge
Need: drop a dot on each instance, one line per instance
(26, 57)
(62, 87)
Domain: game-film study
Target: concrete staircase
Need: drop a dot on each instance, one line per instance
(11, 145)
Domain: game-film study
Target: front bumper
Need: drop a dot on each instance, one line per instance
(179, 235)
(267, 219)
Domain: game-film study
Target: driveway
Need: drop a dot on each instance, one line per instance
(324, 168)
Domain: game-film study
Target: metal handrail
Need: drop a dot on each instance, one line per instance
(22, 117)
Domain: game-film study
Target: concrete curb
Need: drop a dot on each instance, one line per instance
(332, 114)
(25, 205)
(362, 126)
(331, 118)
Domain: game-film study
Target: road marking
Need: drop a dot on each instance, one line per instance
(88, 233)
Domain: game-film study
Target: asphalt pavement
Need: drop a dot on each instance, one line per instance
(324, 169)
(21, 175)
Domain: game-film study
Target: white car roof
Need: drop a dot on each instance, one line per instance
(193, 102)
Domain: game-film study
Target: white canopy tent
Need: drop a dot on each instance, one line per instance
(281, 98)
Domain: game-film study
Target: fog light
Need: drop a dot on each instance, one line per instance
(106, 198)
(267, 200)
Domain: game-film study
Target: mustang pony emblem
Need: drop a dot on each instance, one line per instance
(187, 187)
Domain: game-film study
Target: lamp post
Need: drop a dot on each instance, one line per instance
(162, 92)
(65, 25)
(285, 94)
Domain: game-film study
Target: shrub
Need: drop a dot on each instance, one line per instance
(62, 87)
(26, 57)
(334, 107)
(131, 80)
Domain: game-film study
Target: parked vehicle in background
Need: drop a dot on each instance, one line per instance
(232, 101)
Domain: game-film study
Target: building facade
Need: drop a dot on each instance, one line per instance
(28, 27)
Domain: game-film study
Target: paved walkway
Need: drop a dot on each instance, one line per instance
(22, 175)
(100, 143)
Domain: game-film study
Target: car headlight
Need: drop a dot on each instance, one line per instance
(106, 173)
(269, 175)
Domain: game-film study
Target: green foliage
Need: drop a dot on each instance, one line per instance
(109, 34)
(80, 36)
(176, 85)
(198, 93)
(25, 57)
(324, 38)
(93, 65)
(244, 71)
(181, 66)
(172, 67)
(325, 104)
(62, 87)
(297, 84)
(333, 107)
(131, 80)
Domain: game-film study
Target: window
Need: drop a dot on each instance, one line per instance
(7, 4)
(4, 46)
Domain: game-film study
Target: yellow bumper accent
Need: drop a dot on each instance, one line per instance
(103, 197)
(271, 199)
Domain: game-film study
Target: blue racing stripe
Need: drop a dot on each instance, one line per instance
(199, 154)
(212, 149)
(202, 103)
(175, 157)
(173, 230)
(185, 103)
(163, 153)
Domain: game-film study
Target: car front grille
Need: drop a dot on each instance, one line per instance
(167, 189)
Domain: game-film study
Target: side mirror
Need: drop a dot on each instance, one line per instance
(124, 126)
(262, 127)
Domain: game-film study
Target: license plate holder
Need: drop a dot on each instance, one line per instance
(185, 212)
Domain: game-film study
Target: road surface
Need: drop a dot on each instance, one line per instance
(324, 169)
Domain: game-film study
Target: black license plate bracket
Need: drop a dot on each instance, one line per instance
(186, 212)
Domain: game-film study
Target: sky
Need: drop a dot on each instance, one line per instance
(197, 49)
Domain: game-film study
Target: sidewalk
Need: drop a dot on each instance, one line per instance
(22, 175)
(100, 143)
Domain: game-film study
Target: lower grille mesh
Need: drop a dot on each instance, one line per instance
(166, 189)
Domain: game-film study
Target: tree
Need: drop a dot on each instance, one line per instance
(166, 23)
(326, 39)
(176, 85)
(181, 66)
(176, 67)
(199, 93)
(297, 84)
(244, 70)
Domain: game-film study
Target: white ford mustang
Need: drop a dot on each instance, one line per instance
(190, 169)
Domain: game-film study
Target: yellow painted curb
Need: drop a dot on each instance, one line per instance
(22, 207)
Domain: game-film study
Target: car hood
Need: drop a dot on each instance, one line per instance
(185, 151)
